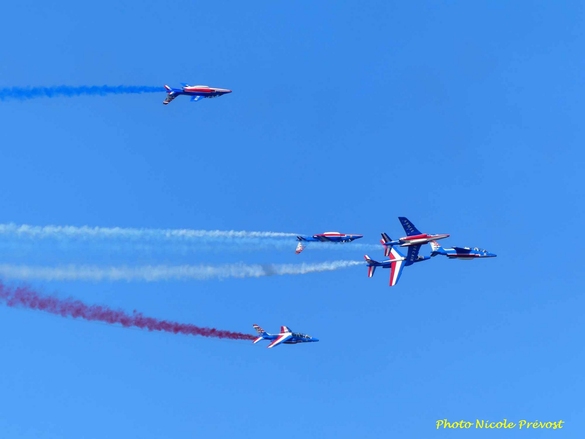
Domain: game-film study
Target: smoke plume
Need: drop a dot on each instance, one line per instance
(24, 93)
(24, 297)
(154, 273)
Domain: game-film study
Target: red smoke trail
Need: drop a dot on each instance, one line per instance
(26, 298)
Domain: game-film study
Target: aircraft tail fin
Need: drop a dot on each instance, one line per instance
(259, 330)
(371, 265)
(385, 240)
(435, 248)
(171, 94)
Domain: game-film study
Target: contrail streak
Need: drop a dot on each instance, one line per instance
(26, 298)
(23, 93)
(86, 232)
(156, 273)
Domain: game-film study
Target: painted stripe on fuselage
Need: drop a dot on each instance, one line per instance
(199, 90)
(413, 237)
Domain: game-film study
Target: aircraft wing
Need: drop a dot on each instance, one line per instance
(409, 228)
(412, 254)
(322, 238)
(196, 98)
(395, 271)
(281, 338)
(396, 265)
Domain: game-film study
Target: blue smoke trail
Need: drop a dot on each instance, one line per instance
(24, 93)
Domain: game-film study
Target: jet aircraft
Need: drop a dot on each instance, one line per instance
(325, 237)
(396, 263)
(464, 253)
(285, 336)
(197, 92)
(413, 236)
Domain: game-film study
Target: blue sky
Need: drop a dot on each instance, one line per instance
(463, 116)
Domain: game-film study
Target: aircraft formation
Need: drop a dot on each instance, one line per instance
(396, 262)
(412, 242)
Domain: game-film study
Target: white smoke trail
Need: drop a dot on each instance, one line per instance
(154, 273)
(86, 232)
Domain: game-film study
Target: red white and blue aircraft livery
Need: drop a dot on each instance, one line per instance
(325, 237)
(464, 253)
(197, 92)
(396, 263)
(413, 235)
(285, 336)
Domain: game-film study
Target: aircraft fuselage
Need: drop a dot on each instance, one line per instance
(423, 238)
